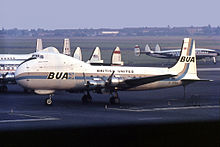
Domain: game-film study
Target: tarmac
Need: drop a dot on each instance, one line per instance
(21, 112)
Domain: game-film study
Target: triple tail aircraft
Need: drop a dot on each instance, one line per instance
(201, 53)
(56, 71)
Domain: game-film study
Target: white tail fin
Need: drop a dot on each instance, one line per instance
(116, 57)
(137, 50)
(39, 46)
(66, 46)
(186, 64)
(147, 49)
(157, 48)
(95, 57)
(77, 53)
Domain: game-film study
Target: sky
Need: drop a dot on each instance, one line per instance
(80, 14)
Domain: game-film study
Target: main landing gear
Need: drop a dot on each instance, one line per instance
(49, 101)
(114, 99)
(86, 98)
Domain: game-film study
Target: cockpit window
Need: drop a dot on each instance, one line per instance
(37, 56)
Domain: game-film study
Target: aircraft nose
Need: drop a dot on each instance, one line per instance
(19, 73)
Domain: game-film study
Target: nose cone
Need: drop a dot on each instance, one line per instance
(20, 74)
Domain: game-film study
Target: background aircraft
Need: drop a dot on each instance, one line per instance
(10, 62)
(201, 53)
(59, 72)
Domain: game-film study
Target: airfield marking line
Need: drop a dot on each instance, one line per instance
(28, 120)
(150, 118)
(164, 109)
(208, 69)
(21, 114)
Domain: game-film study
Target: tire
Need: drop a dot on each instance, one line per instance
(48, 102)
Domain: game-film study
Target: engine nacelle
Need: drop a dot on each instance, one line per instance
(96, 83)
(116, 80)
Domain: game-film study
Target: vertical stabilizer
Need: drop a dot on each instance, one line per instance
(95, 57)
(157, 48)
(77, 53)
(137, 50)
(147, 49)
(186, 64)
(39, 45)
(66, 46)
(116, 57)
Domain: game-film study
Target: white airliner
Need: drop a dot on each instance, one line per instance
(201, 53)
(9, 63)
(56, 71)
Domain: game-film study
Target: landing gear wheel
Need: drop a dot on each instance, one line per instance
(48, 101)
(86, 99)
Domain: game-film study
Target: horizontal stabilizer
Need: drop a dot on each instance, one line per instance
(197, 80)
(141, 81)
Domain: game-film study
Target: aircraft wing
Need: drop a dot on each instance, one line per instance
(145, 80)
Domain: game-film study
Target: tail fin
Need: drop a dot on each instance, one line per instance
(39, 46)
(157, 48)
(95, 57)
(116, 57)
(186, 64)
(77, 54)
(147, 49)
(137, 50)
(66, 46)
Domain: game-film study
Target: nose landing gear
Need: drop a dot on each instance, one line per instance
(49, 101)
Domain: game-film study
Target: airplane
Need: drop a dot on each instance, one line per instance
(201, 53)
(59, 72)
(9, 63)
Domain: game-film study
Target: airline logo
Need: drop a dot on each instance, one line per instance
(60, 75)
(187, 59)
